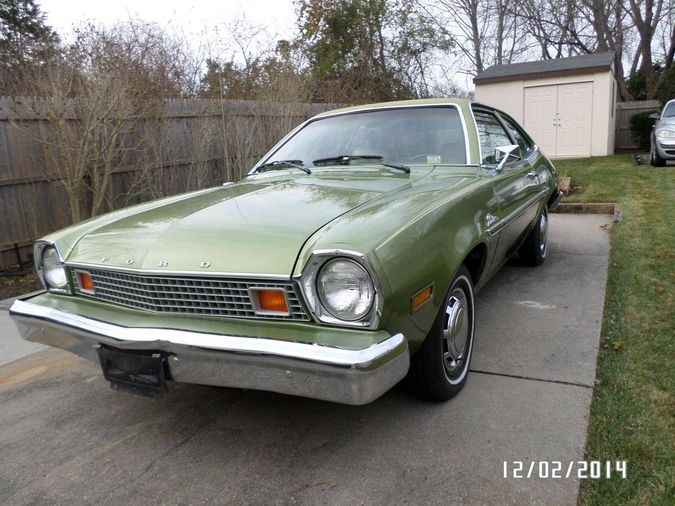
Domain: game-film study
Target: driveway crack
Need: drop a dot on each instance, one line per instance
(532, 378)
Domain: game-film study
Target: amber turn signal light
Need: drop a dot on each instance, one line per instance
(421, 297)
(85, 282)
(271, 301)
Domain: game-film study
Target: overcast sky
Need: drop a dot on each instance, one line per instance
(203, 22)
(189, 17)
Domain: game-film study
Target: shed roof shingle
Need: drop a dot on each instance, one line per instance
(571, 64)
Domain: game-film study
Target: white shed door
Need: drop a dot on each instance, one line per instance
(541, 104)
(575, 107)
(559, 117)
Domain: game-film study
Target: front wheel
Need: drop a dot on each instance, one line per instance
(535, 247)
(656, 159)
(438, 370)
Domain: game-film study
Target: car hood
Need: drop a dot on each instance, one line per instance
(670, 121)
(255, 227)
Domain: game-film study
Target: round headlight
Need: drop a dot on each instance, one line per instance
(345, 289)
(52, 269)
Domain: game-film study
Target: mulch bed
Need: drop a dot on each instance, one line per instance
(14, 284)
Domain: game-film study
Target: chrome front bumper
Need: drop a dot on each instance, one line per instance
(349, 376)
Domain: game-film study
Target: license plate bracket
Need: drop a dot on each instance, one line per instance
(138, 372)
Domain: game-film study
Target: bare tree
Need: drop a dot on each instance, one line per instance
(485, 32)
(665, 33)
(90, 104)
(82, 137)
(641, 33)
(646, 15)
(569, 27)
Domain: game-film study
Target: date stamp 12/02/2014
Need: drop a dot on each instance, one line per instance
(556, 469)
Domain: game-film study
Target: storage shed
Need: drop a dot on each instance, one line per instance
(568, 105)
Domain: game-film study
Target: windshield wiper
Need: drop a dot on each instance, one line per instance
(404, 168)
(280, 164)
(345, 159)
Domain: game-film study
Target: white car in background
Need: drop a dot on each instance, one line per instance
(663, 136)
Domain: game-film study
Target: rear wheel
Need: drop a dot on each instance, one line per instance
(439, 369)
(534, 249)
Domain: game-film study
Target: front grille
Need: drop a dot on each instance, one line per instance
(187, 295)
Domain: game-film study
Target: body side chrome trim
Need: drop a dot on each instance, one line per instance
(496, 227)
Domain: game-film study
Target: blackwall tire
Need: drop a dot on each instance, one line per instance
(440, 367)
(534, 249)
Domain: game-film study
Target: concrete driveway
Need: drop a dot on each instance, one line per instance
(66, 437)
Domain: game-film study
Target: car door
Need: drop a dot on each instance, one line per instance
(516, 185)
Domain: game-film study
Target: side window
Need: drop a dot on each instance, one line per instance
(518, 135)
(491, 134)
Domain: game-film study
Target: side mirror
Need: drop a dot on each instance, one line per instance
(502, 154)
(654, 115)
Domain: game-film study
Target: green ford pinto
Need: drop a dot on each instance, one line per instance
(346, 260)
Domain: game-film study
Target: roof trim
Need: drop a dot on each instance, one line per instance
(584, 64)
(461, 102)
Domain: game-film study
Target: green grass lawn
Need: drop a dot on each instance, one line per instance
(633, 410)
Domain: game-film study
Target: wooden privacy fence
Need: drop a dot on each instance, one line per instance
(624, 112)
(184, 145)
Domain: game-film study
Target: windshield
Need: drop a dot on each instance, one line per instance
(669, 111)
(420, 135)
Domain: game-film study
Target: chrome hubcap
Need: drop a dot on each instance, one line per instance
(456, 332)
(543, 234)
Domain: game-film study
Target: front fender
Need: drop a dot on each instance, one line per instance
(413, 238)
(430, 250)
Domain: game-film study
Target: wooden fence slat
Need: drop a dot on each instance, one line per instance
(624, 112)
